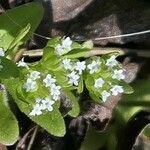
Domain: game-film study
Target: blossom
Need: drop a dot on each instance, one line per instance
(36, 110)
(73, 78)
(66, 43)
(59, 49)
(55, 92)
(35, 75)
(2, 53)
(111, 62)
(38, 100)
(118, 74)
(21, 63)
(47, 104)
(94, 66)
(105, 95)
(30, 85)
(99, 83)
(49, 80)
(80, 66)
(67, 64)
(116, 89)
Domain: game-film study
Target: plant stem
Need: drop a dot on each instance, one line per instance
(32, 138)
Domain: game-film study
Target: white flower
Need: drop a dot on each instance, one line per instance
(35, 75)
(47, 104)
(2, 53)
(21, 63)
(105, 95)
(36, 110)
(38, 100)
(66, 43)
(30, 85)
(99, 83)
(116, 89)
(59, 49)
(118, 74)
(55, 92)
(67, 64)
(80, 66)
(111, 62)
(94, 66)
(73, 78)
(49, 80)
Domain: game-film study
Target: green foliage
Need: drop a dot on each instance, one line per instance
(9, 130)
(64, 70)
(14, 24)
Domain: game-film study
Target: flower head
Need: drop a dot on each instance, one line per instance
(36, 110)
(35, 75)
(105, 95)
(116, 89)
(2, 53)
(66, 43)
(67, 64)
(30, 85)
(111, 62)
(73, 78)
(47, 104)
(94, 66)
(59, 49)
(118, 74)
(99, 83)
(80, 66)
(49, 80)
(55, 92)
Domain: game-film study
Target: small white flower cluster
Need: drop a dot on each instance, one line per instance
(2, 54)
(94, 66)
(64, 46)
(117, 74)
(41, 105)
(50, 83)
(75, 70)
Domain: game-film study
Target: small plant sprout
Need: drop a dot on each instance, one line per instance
(73, 78)
(94, 66)
(116, 89)
(48, 81)
(99, 83)
(34, 75)
(118, 74)
(105, 95)
(67, 64)
(2, 52)
(80, 66)
(111, 62)
(30, 85)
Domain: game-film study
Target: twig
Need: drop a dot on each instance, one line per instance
(32, 138)
(95, 51)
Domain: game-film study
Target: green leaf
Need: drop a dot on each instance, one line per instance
(9, 130)
(127, 88)
(75, 105)
(52, 122)
(16, 19)
(9, 68)
(88, 44)
(76, 53)
(81, 85)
